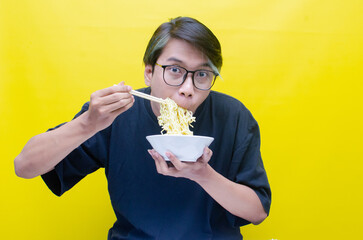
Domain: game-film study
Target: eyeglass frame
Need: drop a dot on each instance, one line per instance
(186, 75)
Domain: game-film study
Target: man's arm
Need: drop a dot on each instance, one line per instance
(44, 151)
(238, 199)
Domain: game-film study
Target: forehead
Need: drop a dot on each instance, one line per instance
(180, 51)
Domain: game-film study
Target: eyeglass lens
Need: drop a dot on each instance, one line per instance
(175, 75)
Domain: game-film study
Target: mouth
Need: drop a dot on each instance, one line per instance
(183, 104)
(187, 107)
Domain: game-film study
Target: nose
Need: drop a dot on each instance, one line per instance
(187, 88)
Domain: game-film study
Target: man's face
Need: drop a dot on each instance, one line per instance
(180, 53)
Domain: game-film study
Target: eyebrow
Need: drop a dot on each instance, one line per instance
(173, 59)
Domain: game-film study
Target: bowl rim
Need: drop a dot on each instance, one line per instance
(178, 136)
(161, 139)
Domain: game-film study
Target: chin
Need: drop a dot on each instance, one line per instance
(191, 109)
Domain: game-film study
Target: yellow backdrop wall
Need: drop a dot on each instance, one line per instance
(297, 65)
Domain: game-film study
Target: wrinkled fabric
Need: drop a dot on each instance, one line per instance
(152, 206)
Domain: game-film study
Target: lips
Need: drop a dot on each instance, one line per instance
(184, 103)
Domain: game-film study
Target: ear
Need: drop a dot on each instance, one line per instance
(148, 73)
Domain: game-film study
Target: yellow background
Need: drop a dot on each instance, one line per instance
(297, 65)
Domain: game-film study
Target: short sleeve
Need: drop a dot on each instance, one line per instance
(247, 167)
(85, 159)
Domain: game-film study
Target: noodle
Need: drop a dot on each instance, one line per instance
(174, 119)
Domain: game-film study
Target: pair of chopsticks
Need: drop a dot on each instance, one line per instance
(147, 96)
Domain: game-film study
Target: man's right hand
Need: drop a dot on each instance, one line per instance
(44, 151)
(106, 104)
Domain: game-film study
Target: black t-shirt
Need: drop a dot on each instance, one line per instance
(153, 206)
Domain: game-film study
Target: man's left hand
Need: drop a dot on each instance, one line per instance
(192, 170)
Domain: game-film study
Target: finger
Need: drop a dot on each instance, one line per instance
(206, 156)
(157, 165)
(127, 106)
(115, 97)
(115, 88)
(121, 87)
(121, 104)
(176, 162)
(162, 165)
(119, 111)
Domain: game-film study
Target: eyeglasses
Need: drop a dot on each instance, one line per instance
(175, 76)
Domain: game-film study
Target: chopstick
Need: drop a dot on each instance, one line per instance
(147, 96)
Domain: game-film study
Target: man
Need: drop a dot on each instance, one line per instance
(210, 199)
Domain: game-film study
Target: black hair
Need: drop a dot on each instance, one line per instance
(187, 29)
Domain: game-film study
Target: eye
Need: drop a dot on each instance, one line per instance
(174, 70)
(203, 74)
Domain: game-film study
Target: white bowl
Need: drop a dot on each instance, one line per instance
(187, 148)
